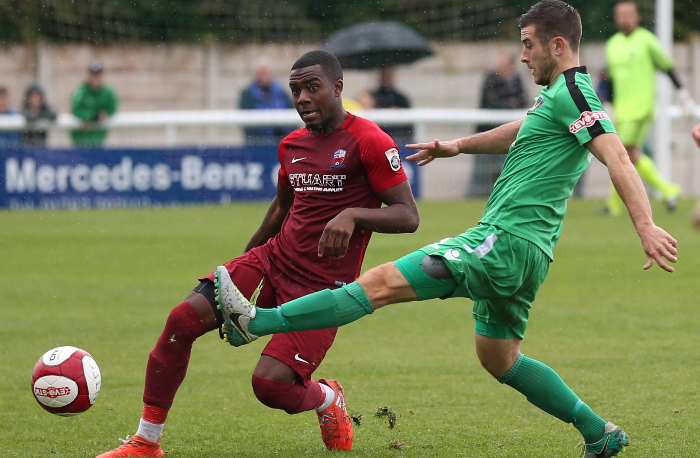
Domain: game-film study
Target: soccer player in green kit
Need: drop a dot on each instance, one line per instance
(634, 54)
(501, 263)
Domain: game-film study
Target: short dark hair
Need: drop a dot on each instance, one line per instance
(328, 62)
(554, 18)
(3, 90)
(628, 1)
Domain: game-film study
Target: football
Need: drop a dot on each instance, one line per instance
(66, 381)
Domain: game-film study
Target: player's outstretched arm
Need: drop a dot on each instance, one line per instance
(696, 134)
(494, 141)
(658, 245)
(272, 222)
(400, 215)
(696, 214)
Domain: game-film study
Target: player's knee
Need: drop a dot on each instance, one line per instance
(183, 325)
(374, 278)
(497, 363)
(276, 395)
(385, 285)
(492, 367)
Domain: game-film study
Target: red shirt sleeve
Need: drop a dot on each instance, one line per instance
(381, 158)
(282, 175)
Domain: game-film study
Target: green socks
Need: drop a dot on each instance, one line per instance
(649, 173)
(321, 310)
(545, 389)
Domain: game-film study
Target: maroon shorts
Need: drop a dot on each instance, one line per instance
(303, 351)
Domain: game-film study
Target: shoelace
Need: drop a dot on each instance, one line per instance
(328, 425)
(127, 440)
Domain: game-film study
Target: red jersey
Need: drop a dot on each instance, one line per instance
(329, 174)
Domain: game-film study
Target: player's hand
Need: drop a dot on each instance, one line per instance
(336, 235)
(660, 247)
(429, 151)
(696, 134)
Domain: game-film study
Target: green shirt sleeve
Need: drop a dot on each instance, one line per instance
(111, 101)
(579, 110)
(79, 109)
(661, 60)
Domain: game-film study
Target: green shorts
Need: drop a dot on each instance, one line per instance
(500, 272)
(633, 133)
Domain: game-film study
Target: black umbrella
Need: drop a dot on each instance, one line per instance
(375, 44)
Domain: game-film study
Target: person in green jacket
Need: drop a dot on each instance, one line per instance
(93, 103)
(634, 54)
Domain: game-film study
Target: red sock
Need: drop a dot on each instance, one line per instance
(167, 363)
(290, 397)
(153, 414)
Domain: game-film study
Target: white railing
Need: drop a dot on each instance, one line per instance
(171, 120)
(248, 118)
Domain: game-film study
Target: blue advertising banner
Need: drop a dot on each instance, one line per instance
(104, 178)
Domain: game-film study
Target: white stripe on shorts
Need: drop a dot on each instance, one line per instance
(483, 249)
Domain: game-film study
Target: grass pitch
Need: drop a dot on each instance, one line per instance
(624, 339)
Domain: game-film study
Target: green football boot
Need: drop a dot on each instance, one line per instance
(613, 442)
(236, 309)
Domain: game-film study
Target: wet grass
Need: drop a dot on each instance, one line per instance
(625, 340)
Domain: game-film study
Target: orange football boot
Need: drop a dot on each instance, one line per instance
(136, 446)
(336, 427)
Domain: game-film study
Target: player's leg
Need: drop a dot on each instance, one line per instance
(544, 388)
(500, 327)
(647, 170)
(169, 359)
(166, 369)
(282, 380)
(633, 135)
(416, 276)
(282, 377)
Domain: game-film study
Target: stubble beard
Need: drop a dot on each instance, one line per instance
(547, 68)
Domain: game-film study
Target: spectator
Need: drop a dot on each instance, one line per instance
(35, 110)
(366, 100)
(8, 138)
(502, 89)
(264, 93)
(93, 103)
(386, 96)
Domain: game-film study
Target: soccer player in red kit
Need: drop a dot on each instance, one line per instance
(335, 175)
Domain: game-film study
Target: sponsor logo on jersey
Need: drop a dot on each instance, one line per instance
(587, 119)
(339, 159)
(52, 392)
(538, 103)
(317, 182)
(394, 159)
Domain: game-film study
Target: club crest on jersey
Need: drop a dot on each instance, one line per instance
(339, 159)
(538, 103)
(394, 159)
(587, 119)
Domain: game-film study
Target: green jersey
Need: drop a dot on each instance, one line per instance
(632, 63)
(86, 105)
(547, 159)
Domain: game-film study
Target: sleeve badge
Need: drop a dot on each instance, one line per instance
(394, 159)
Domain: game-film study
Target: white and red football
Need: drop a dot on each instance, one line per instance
(66, 381)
